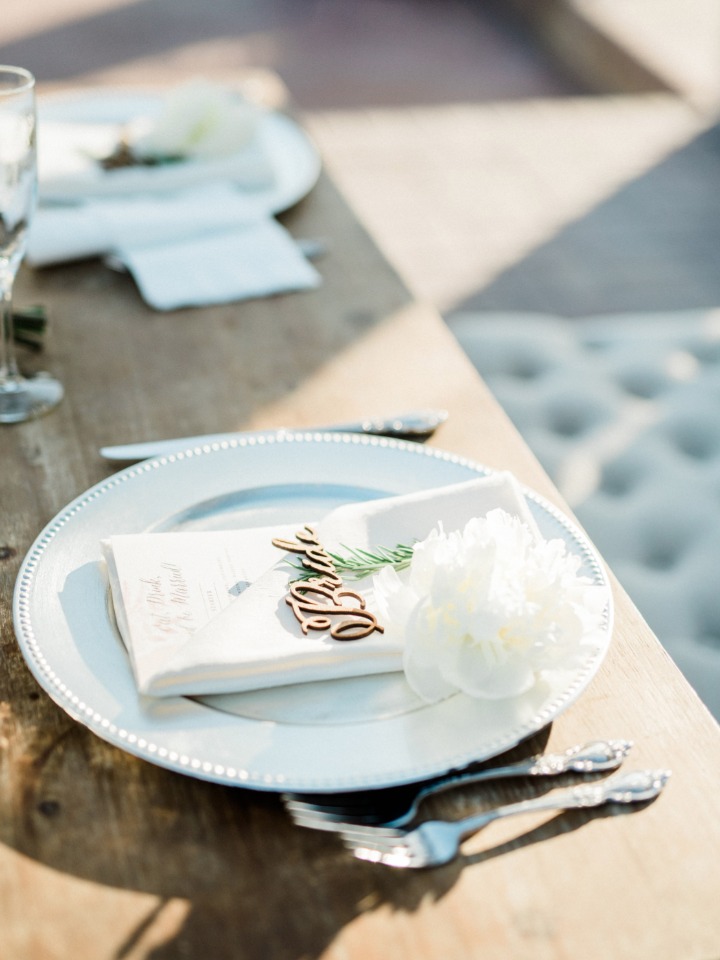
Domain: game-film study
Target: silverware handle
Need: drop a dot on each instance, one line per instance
(635, 787)
(596, 755)
(520, 769)
(411, 426)
(404, 425)
(467, 778)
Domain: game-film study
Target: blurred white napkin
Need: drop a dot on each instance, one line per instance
(185, 637)
(210, 244)
(193, 232)
(100, 227)
(255, 259)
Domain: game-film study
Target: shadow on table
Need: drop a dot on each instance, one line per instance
(338, 54)
(233, 361)
(246, 874)
(652, 245)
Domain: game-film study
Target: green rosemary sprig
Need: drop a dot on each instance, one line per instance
(124, 156)
(357, 564)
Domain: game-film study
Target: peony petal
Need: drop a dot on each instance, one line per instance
(507, 680)
(487, 609)
(422, 665)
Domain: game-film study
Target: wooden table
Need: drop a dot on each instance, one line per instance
(106, 856)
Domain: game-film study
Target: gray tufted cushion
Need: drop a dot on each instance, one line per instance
(624, 414)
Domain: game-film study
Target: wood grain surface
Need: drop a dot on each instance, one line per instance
(106, 857)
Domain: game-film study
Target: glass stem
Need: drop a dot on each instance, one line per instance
(8, 364)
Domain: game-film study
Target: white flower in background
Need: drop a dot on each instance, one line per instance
(198, 120)
(486, 610)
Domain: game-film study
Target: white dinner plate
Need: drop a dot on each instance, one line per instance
(338, 735)
(293, 157)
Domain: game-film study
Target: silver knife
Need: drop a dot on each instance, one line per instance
(417, 425)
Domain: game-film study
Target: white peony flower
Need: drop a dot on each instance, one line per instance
(487, 610)
(199, 120)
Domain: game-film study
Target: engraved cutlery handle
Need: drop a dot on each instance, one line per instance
(634, 787)
(586, 758)
(416, 425)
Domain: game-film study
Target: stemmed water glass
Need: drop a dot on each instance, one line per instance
(20, 397)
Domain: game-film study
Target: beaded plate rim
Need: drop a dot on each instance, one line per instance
(159, 749)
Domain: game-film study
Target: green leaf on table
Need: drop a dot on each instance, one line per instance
(29, 326)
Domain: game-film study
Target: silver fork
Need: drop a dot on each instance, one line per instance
(396, 809)
(436, 842)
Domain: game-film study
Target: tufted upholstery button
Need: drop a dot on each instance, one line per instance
(620, 476)
(526, 368)
(706, 351)
(571, 415)
(641, 380)
(624, 414)
(696, 433)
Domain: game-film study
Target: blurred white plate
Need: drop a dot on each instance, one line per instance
(335, 735)
(277, 170)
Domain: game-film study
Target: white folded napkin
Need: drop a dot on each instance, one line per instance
(210, 244)
(193, 232)
(100, 227)
(256, 259)
(187, 634)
